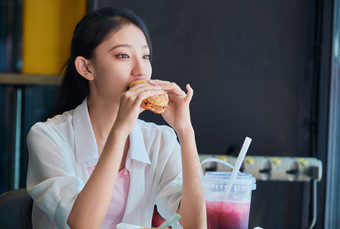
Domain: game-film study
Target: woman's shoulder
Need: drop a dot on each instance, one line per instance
(57, 122)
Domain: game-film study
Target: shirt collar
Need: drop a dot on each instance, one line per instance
(85, 141)
(137, 150)
(86, 145)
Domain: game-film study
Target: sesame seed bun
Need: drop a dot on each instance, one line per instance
(155, 103)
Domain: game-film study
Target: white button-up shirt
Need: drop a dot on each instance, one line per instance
(61, 149)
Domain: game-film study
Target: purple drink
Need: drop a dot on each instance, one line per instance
(227, 215)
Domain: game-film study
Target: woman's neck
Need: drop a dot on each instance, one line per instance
(102, 115)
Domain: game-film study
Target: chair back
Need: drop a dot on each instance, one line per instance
(16, 209)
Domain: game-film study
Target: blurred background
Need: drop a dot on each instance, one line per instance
(259, 68)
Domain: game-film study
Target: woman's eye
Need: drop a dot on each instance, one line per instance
(146, 57)
(123, 56)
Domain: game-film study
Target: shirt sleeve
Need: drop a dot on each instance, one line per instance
(51, 178)
(170, 187)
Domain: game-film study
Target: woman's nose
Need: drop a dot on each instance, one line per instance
(140, 68)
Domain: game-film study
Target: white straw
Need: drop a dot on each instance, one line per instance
(238, 164)
(172, 219)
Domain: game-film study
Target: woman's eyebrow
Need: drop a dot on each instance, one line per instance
(119, 46)
(126, 46)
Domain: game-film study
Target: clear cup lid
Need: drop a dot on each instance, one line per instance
(223, 178)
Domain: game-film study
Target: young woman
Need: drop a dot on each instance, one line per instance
(96, 164)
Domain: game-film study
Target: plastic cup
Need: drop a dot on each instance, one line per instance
(228, 211)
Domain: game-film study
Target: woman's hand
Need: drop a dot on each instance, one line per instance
(129, 107)
(177, 114)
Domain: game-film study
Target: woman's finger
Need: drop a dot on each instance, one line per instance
(141, 92)
(158, 82)
(190, 93)
(144, 86)
(170, 87)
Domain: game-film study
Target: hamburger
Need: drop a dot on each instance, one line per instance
(155, 103)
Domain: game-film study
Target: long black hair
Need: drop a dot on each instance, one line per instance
(91, 31)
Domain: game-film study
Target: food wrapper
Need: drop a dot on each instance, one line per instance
(130, 226)
(127, 226)
(173, 221)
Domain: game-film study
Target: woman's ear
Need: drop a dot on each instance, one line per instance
(83, 67)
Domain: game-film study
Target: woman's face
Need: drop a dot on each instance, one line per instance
(121, 58)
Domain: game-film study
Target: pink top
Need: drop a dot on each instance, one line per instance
(116, 209)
